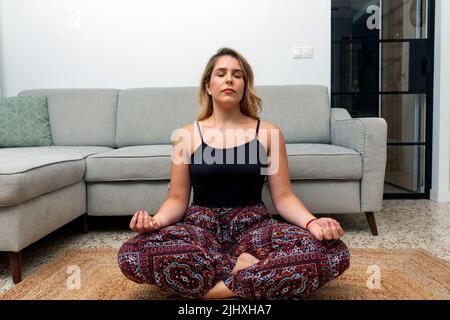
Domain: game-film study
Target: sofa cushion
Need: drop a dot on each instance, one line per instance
(24, 122)
(148, 116)
(301, 111)
(81, 117)
(323, 161)
(150, 162)
(306, 161)
(26, 173)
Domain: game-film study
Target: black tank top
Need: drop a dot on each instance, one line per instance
(228, 177)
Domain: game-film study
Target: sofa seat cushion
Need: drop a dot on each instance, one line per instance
(323, 161)
(149, 162)
(26, 173)
(152, 163)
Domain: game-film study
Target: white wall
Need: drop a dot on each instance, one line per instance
(440, 190)
(138, 43)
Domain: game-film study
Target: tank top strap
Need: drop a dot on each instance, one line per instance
(257, 129)
(199, 131)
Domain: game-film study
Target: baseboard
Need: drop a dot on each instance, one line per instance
(440, 196)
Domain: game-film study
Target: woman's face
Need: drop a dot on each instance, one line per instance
(227, 83)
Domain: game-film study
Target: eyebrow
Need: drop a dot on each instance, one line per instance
(225, 69)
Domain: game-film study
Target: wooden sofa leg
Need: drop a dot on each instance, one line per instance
(372, 223)
(85, 223)
(15, 264)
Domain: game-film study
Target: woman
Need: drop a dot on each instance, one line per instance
(225, 243)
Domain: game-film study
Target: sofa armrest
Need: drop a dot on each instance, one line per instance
(368, 136)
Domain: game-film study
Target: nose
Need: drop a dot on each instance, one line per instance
(228, 78)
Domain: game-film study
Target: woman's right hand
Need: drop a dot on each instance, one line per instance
(142, 222)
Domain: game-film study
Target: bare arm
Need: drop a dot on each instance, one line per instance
(173, 208)
(290, 207)
(286, 202)
(170, 212)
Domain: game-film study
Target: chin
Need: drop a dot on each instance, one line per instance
(231, 101)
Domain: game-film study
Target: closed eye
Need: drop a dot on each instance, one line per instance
(235, 75)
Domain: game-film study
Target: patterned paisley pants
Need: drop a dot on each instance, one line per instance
(190, 257)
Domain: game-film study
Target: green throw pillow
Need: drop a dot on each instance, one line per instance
(24, 122)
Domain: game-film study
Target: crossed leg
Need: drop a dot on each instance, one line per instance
(274, 261)
(181, 259)
(292, 263)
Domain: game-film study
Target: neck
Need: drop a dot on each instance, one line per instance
(226, 116)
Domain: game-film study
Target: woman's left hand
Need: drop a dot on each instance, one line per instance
(326, 229)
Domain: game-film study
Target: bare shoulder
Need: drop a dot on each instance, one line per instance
(188, 127)
(185, 136)
(183, 132)
(270, 129)
(268, 125)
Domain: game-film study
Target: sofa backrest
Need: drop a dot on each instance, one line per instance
(81, 116)
(143, 116)
(150, 115)
(301, 111)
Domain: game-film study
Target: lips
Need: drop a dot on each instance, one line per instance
(228, 91)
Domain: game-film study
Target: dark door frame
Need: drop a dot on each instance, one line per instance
(429, 105)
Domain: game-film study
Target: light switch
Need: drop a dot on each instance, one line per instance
(302, 53)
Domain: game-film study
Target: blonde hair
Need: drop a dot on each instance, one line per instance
(250, 104)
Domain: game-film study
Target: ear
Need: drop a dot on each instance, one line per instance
(207, 87)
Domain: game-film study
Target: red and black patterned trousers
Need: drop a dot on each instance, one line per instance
(190, 257)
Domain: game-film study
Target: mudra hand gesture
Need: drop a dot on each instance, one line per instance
(142, 222)
(325, 229)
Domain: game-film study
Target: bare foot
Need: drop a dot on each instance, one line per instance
(245, 260)
(220, 290)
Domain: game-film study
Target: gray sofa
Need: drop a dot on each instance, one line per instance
(111, 156)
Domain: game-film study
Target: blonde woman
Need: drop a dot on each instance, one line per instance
(226, 243)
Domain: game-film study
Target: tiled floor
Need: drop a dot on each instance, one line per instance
(401, 224)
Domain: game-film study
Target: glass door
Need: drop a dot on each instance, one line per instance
(382, 66)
